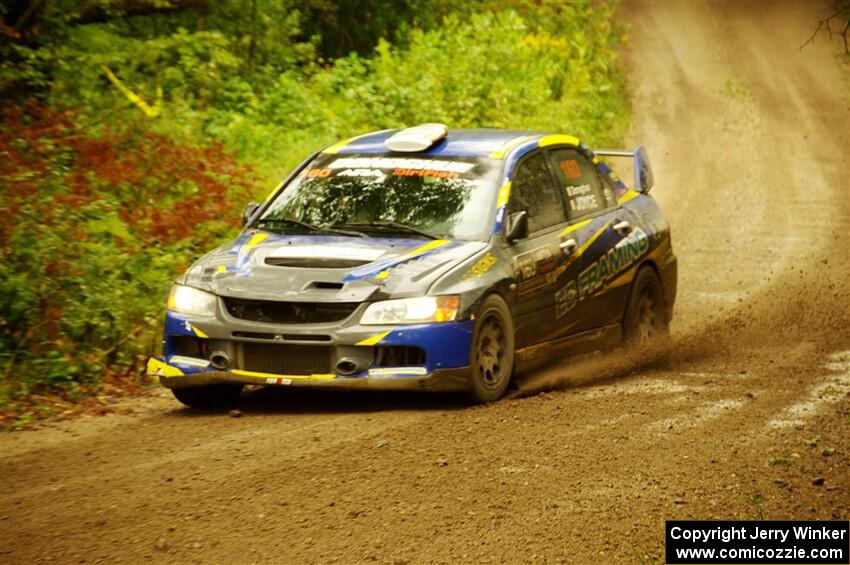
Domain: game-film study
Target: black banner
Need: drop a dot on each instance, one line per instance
(743, 542)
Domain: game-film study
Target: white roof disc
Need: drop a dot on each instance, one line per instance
(417, 138)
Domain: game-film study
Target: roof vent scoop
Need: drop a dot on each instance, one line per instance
(417, 138)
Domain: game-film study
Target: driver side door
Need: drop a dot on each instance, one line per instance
(598, 225)
(536, 257)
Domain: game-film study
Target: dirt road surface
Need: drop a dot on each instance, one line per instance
(747, 416)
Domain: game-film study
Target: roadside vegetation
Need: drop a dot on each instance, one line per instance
(132, 133)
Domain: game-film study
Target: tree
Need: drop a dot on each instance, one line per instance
(841, 17)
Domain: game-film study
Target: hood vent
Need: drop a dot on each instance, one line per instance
(322, 285)
(315, 262)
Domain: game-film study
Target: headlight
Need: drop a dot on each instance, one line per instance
(412, 310)
(188, 300)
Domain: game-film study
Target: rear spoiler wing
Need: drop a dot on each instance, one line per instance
(644, 179)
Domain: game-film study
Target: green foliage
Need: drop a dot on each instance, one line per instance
(356, 26)
(93, 231)
(757, 502)
(549, 67)
(489, 69)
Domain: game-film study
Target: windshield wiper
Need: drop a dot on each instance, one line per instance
(293, 222)
(388, 226)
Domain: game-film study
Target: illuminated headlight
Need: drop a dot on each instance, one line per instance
(412, 310)
(188, 300)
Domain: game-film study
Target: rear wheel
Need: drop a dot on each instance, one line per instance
(492, 356)
(646, 314)
(208, 396)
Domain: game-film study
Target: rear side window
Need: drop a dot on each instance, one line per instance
(578, 179)
(532, 191)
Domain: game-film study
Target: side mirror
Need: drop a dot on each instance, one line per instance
(517, 227)
(644, 179)
(249, 211)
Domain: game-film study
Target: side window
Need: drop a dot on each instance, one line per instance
(578, 178)
(608, 190)
(532, 191)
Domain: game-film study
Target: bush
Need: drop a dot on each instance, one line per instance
(549, 67)
(489, 69)
(92, 230)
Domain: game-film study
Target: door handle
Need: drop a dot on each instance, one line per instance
(623, 227)
(568, 245)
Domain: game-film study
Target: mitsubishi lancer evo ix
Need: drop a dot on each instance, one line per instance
(424, 258)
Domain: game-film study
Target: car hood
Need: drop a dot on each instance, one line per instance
(264, 266)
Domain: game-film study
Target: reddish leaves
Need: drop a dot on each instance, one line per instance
(85, 223)
(161, 189)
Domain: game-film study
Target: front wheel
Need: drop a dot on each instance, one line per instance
(646, 321)
(208, 396)
(492, 355)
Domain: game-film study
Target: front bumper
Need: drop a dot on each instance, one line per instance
(441, 380)
(445, 366)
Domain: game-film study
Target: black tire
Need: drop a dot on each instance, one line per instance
(492, 355)
(646, 322)
(208, 396)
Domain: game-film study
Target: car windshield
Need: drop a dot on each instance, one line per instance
(445, 197)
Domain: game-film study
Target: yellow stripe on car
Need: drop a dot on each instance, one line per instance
(627, 196)
(574, 227)
(504, 195)
(627, 277)
(157, 368)
(427, 247)
(545, 343)
(558, 139)
(257, 238)
(273, 191)
(374, 339)
(198, 331)
(506, 148)
(624, 279)
(591, 239)
(334, 149)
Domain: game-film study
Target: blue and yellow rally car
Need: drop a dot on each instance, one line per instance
(424, 258)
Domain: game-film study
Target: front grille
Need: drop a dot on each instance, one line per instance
(254, 335)
(287, 337)
(286, 359)
(289, 312)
